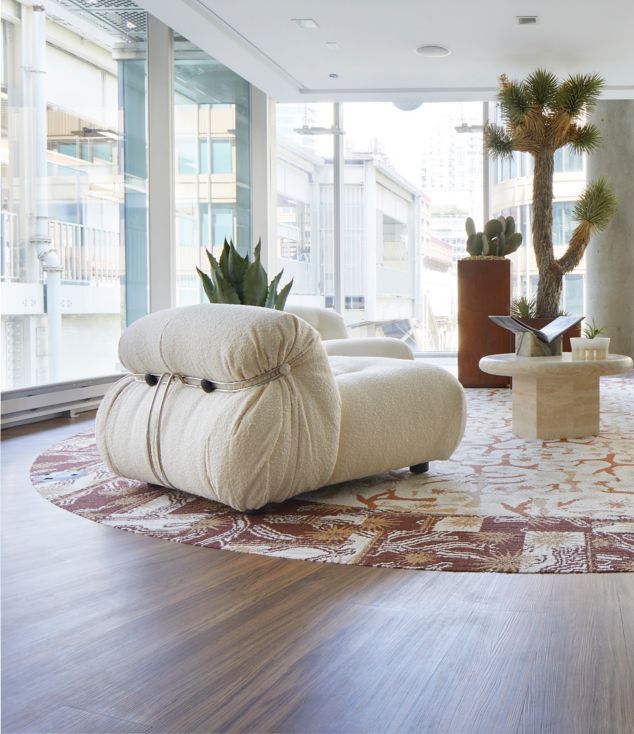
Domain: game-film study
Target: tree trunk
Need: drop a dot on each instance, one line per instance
(549, 291)
(549, 287)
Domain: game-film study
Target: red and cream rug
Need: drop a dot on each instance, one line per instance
(500, 504)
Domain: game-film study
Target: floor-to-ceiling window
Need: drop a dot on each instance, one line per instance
(212, 164)
(410, 180)
(74, 188)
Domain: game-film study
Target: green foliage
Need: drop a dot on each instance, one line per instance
(578, 93)
(498, 239)
(523, 308)
(239, 280)
(586, 139)
(515, 102)
(590, 330)
(498, 141)
(596, 205)
(541, 87)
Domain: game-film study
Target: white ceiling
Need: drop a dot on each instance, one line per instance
(377, 39)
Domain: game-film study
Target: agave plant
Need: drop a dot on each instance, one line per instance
(523, 308)
(540, 115)
(591, 330)
(237, 279)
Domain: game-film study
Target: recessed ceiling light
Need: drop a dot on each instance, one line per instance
(306, 22)
(334, 76)
(526, 19)
(433, 51)
(332, 46)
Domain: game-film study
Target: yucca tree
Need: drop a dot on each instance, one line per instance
(540, 115)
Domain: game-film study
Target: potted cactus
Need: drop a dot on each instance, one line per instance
(498, 239)
(237, 279)
(484, 289)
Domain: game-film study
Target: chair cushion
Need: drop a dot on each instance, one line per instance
(269, 432)
(372, 346)
(394, 413)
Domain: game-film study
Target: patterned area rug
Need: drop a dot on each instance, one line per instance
(501, 504)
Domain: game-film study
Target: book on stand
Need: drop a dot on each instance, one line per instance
(542, 342)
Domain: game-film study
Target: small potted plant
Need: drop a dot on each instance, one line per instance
(239, 280)
(484, 289)
(590, 345)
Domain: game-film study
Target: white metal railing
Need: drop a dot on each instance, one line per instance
(87, 255)
(11, 266)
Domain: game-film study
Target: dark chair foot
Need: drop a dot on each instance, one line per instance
(420, 468)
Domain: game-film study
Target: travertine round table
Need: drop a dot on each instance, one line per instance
(555, 397)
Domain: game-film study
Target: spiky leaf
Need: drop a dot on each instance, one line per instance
(498, 141)
(236, 270)
(514, 101)
(272, 292)
(469, 225)
(586, 139)
(579, 92)
(596, 205)
(255, 284)
(208, 286)
(509, 226)
(541, 87)
(223, 290)
(486, 244)
(223, 260)
(280, 300)
(524, 308)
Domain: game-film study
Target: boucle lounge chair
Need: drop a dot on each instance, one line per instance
(242, 405)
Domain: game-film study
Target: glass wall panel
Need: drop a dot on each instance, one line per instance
(304, 201)
(213, 171)
(410, 179)
(74, 252)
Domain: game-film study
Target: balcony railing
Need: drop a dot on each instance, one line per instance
(11, 265)
(87, 254)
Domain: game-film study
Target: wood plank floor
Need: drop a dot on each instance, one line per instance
(106, 631)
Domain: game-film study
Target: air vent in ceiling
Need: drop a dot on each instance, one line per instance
(526, 19)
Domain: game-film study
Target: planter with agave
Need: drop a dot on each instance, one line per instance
(484, 289)
(238, 279)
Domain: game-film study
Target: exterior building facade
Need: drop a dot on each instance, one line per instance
(396, 275)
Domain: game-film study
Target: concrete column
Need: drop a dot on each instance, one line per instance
(610, 255)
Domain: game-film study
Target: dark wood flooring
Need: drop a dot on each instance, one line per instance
(106, 631)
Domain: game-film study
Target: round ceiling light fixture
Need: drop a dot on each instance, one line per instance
(433, 51)
(407, 105)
